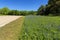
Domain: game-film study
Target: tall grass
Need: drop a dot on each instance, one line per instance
(41, 28)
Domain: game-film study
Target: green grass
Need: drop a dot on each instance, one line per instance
(12, 30)
(33, 28)
(40, 28)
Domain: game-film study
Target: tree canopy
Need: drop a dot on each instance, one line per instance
(7, 11)
(53, 7)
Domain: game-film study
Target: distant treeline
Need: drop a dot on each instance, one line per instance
(52, 8)
(7, 11)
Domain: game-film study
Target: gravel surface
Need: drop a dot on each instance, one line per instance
(7, 19)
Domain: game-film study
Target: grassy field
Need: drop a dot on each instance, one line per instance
(40, 28)
(12, 30)
(32, 28)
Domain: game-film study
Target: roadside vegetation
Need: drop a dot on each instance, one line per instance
(12, 30)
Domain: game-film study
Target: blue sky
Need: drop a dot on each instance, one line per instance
(22, 4)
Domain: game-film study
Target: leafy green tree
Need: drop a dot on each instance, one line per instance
(41, 10)
(23, 13)
(4, 11)
(55, 7)
(52, 1)
(32, 12)
(14, 12)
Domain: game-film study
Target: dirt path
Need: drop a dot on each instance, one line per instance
(7, 19)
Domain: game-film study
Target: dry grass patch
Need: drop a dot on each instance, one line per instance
(12, 30)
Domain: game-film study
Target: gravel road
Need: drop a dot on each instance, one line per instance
(7, 19)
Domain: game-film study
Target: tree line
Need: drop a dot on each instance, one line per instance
(52, 8)
(7, 11)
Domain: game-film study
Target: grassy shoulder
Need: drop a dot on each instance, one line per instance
(12, 30)
(41, 28)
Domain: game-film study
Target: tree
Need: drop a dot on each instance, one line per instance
(4, 11)
(14, 12)
(23, 13)
(32, 12)
(41, 10)
(52, 1)
(55, 7)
